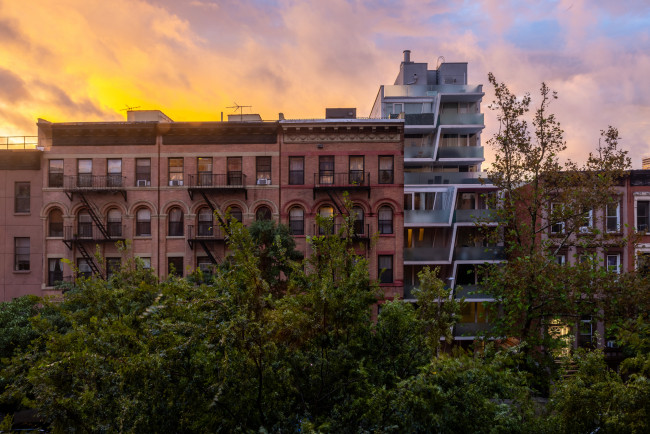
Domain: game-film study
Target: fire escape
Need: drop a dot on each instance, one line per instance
(203, 184)
(334, 184)
(90, 232)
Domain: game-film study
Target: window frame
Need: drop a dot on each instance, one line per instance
(174, 175)
(383, 224)
(613, 268)
(555, 227)
(85, 177)
(297, 226)
(113, 177)
(297, 177)
(50, 232)
(22, 201)
(175, 261)
(326, 174)
(141, 175)
(175, 227)
(22, 252)
(386, 176)
(235, 171)
(646, 217)
(54, 276)
(356, 176)
(142, 226)
(263, 169)
(113, 224)
(55, 177)
(204, 170)
(385, 274)
(617, 217)
(268, 214)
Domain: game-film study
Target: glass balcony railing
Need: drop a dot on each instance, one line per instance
(495, 253)
(428, 216)
(461, 119)
(426, 254)
(423, 90)
(471, 292)
(460, 152)
(472, 328)
(419, 119)
(473, 215)
(418, 152)
(419, 178)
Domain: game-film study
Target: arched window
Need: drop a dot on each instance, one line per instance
(206, 222)
(263, 213)
(55, 223)
(235, 213)
(114, 223)
(143, 222)
(359, 227)
(325, 211)
(175, 222)
(385, 217)
(297, 221)
(84, 225)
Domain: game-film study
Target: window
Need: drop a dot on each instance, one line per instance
(85, 271)
(557, 227)
(146, 262)
(21, 254)
(473, 312)
(585, 332)
(386, 169)
(175, 222)
(21, 197)
(422, 200)
(54, 271)
(296, 170)
(357, 211)
(586, 220)
(263, 170)
(385, 265)
(614, 263)
(355, 175)
(175, 266)
(55, 223)
(235, 176)
(204, 264)
(385, 218)
(143, 222)
(235, 213)
(467, 201)
(175, 171)
(84, 225)
(297, 221)
(263, 213)
(560, 259)
(114, 172)
(142, 172)
(84, 173)
(613, 217)
(55, 173)
(206, 223)
(204, 165)
(643, 216)
(326, 212)
(114, 223)
(326, 169)
(112, 266)
(643, 263)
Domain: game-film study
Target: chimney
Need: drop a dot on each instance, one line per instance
(407, 56)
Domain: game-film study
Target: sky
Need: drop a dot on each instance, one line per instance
(88, 60)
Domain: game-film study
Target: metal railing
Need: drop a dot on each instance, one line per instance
(18, 142)
(350, 179)
(84, 182)
(204, 232)
(217, 180)
(90, 232)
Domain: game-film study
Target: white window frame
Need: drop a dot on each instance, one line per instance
(560, 224)
(617, 266)
(618, 218)
(590, 224)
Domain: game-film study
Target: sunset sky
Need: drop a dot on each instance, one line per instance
(87, 60)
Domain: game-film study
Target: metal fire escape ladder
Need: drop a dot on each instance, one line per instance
(222, 222)
(208, 252)
(90, 260)
(95, 215)
(337, 202)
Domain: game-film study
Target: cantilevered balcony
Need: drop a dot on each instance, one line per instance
(460, 153)
(424, 90)
(471, 292)
(495, 253)
(426, 217)
(436, 178)
(475, 215)
(418, 152)
(471, 329)
(461, 119)
(86, 183)
(426, 255)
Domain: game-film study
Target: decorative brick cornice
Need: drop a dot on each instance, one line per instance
(355, 134)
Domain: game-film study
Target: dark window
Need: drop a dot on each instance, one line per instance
(55, 223)
(385, 220)
(206, 224)
(142, 172)
(263, 170)
(55, 174)
(558, 226)
(21, 199)
(386, 169)
(84, 173)
(355, 175)
(55, 271)
(235, 213)
(263, 213)
(112, 266)
(84, 225)
(175, 266)
(326, 169)
(143, 222)
(84, 268)
(204, 165)
(358, 220)
(21, 256)
(114, 172)
(297, 221)
(643, 216)
(613, 217)
(204, 264)
(235, 175)
(326, 212)
(385, 265)
(296, 170)
(114, 223)
(175, 222)
(175, 171)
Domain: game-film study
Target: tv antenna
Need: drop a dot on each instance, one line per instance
(240, 108)
(129, 108)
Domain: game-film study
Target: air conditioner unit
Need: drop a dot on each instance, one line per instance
(143, 183)
(264, 182)
(176, 182)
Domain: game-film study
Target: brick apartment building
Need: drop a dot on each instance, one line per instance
(157, 183)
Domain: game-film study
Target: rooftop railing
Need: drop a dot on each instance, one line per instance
(18, 142)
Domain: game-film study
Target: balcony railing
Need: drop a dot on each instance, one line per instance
(205, 232)
(474, 215)
(471, 292)
(18, 142)
(419, 119)
(472, 328)
(495, 253)
(429, 178)
(346, 180)
(87, 182)
(360, 231)
(418, 152)
(90, 232)
(423, 217)
(420, 90)
(228, 180)
(426, 254)
(457, 152)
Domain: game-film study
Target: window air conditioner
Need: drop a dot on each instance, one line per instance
(176, 182)
(143, 183)
(264, 182)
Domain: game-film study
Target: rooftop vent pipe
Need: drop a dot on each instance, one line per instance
(407, 56)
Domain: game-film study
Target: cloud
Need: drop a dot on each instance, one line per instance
(12, 87)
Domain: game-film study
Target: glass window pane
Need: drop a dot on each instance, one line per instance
(114, 166)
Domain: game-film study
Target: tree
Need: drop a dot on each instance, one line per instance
(547, 207)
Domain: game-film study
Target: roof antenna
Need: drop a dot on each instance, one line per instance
(439, 61)
(129, 108)
(240, 108)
